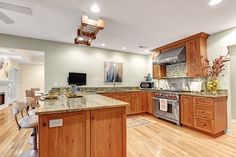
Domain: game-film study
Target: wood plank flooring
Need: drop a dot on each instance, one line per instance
(156, 139)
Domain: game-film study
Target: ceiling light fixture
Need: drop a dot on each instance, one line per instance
(214, 2)
(95, 8)
(147, 51)
(103, 44)
(123, 48)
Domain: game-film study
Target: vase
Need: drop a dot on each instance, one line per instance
(213, 86)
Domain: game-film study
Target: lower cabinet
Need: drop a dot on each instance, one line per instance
(139, 101)
(150, 102)
(186, 110)
(95, 133)
(66, 140)
(106, 138)
(126, 97)
(206, 114)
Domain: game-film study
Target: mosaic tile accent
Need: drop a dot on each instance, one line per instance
(176, 70)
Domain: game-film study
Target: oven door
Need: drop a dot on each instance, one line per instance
(172, 112)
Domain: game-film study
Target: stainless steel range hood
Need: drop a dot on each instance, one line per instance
(173, 56)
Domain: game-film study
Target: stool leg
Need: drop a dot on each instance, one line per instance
(34, 145)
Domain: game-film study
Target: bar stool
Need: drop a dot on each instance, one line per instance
(27, 122)
(31, 105)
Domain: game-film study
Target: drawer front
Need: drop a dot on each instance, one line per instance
(203, 110)
(203, 124)
(204, 101)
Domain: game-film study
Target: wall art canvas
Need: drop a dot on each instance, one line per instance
(4, 68)
(113, 72)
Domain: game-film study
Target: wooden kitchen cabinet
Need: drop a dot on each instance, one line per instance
(144, 99)
(106, 139)
(137, 102)
(92, 133)
(70, 139)
(206, 114)
(186, 110)
(126, 97)
(110, 95)
(196, 56)
(158, 71)
(150, 102)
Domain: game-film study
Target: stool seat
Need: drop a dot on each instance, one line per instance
(29, 122)
(32, 112)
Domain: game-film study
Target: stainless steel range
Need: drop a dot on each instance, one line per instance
(166, 106)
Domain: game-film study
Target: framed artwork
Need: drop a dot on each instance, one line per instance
(113, 72)
(4, 68)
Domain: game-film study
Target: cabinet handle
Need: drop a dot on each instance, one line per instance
(92, 118)
(203, 124)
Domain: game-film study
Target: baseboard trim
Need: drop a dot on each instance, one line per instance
(228, 131)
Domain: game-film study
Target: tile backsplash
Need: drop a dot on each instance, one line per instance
(180, 84)
(176, 70)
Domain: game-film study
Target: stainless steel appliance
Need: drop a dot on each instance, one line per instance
(172, 111)
(146, 85)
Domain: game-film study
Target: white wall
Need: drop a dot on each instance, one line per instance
(61, 58)
(91, 61)
(31, 76)
(232, 79)
(218, 45)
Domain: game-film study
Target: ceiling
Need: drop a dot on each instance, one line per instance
(22, 56)
(128, 23)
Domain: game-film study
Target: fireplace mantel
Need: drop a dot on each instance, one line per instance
(5, 88)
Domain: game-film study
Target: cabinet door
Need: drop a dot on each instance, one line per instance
(158, 71)
(126, 97)
(196, 56)
(108, 133)
(150, 102)
(186, 105)
(144, 105)
(69, 139)
(137, 102)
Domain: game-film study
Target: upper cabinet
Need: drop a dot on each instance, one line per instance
(196, 56)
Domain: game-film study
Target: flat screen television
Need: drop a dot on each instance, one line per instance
(77, 78)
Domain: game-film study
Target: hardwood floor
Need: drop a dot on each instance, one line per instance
(156, 139)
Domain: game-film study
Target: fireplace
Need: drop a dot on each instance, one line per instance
(2, 98)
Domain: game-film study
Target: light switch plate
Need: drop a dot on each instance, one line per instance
(55, 123)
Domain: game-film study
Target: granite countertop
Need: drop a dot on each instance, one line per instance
(206, 94)
(87, 102)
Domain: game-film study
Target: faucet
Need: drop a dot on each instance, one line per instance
(114, 85)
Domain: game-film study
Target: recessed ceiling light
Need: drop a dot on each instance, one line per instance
(95, 8)
(103, 44)
(147, 51)
(123, 48)
(214, 2)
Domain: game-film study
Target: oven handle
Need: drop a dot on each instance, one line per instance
(165, 98)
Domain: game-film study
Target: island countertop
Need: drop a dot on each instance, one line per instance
(87, 102)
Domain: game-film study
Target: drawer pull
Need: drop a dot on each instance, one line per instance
(203, 124)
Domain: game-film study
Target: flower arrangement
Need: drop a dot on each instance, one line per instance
(214, 71)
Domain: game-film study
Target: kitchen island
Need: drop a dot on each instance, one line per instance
(90, 126)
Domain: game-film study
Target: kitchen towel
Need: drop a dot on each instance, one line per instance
(163, 105)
